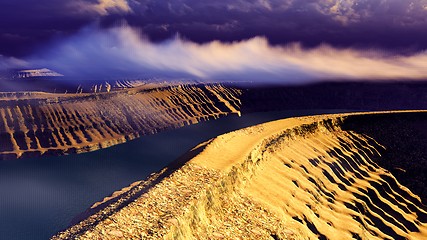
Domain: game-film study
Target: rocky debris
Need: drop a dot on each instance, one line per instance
(116, 233)
(164, 209)
(299, 180)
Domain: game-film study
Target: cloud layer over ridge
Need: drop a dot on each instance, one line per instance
(125, 52)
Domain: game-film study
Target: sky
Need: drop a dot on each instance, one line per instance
(286, 40)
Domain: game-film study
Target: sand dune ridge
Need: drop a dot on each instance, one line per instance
(33, 124)
(300, 178)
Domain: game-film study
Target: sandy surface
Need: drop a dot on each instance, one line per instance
(298, 178)
(35, 123)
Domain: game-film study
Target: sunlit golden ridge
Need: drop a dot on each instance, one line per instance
(298, 178)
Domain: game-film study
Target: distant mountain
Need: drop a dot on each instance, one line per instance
(42, 79)
(43, 72)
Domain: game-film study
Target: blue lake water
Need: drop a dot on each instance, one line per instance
(40, 196)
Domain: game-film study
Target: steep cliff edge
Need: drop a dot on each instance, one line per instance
(39, 123)
(317, 177)
(35, 123)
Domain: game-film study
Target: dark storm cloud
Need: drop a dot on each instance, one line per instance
(291, 41)
(390, 24)
(361, 23)
(257, 40)
(27, 24)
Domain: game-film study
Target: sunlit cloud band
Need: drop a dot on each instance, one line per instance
(123, 51)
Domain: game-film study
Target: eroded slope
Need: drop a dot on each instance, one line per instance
(33, 123)
(301, 178)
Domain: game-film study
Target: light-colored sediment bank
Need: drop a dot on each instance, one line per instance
(299, 178)
(35, 123)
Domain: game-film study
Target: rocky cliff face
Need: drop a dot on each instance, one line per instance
(43, 72)
(304, 178)
(34, 123)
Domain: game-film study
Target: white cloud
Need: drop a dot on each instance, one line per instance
(120, 51)
(265, 3)
(11, 62)
(343, 11)
(102, 7)
(353, 11)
